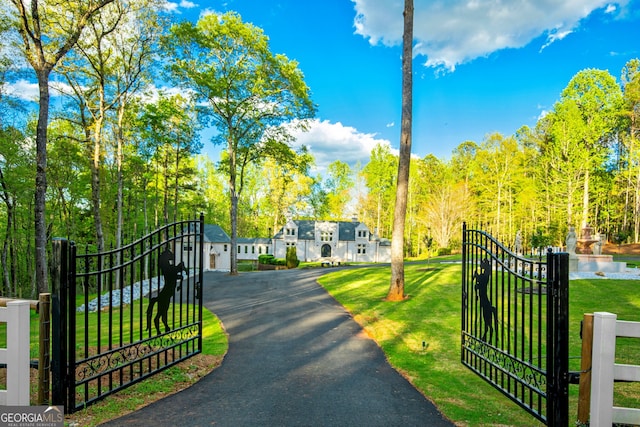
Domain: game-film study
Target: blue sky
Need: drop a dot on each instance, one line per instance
(480, 66)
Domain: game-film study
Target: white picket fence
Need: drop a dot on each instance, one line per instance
(16, 354)
(604, 371)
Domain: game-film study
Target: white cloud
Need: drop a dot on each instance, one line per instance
(330, 141)
(452, 32)
(22, 89)
(174, 7)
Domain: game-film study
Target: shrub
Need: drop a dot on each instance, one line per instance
(444, 251)
(292, 260)
(266, 259)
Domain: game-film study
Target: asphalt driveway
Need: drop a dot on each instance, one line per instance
(296, 358)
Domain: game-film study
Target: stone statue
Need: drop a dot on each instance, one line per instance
(597, 247)
(518, 243)
(572, 239)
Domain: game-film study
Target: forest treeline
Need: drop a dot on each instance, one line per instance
(123, 156)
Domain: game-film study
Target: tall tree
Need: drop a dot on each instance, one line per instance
(89, 70)
(496, 166)
(396, 288)
(379, 178)
(48, 31)
(251, 92)
(598, 97)
(171, 128)
(631, 141)
(287, 186)
(338, 184)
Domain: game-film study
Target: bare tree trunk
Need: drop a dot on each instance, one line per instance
(233, 214)
(41, 276)
(120, 177)
(95, 181)
(176, 183)
(6, 248)
(585, 200)
(396, 288)
(636, 211)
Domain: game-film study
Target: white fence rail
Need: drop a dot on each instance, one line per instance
(604, 370)
(16, 354)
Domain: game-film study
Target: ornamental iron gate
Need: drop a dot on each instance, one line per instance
(515, 324)
(123, 315)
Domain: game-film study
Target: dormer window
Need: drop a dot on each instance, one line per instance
(290, 231)
(326, 236)
(363, 234)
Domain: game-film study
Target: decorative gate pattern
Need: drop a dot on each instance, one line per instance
(123, 315)
(515, 324)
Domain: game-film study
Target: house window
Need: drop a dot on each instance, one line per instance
(326, 236)
(362, 233)
(246, 249)
(225, 248)
(253, 249)
(291, 245)
(259, 249)
(290, 231)
(362, 249)
(239, 249)
(187, 248)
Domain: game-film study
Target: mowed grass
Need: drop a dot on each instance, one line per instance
(421, 336)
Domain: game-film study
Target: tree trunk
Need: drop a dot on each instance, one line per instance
(41, 276)
(8, 284)
(396, 288)
(585, 200)
(233, 213)
(176, 183)
(95, 183)
(120, 177)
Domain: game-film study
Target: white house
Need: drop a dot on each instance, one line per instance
(341, 241)
(250, 249)
(344, 241)
(216, 247)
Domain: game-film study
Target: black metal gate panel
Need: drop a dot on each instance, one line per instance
(515, 324)
(123, 315)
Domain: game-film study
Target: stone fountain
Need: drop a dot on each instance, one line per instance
(586, 240)
(584, 258)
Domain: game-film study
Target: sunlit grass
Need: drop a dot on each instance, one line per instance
(214, 347)
(421, 335)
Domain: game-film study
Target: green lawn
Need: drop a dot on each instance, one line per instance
(214, 346)
(421, 335)
(214, 339)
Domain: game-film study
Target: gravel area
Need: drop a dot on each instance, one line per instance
(630, 274)
(129, 294)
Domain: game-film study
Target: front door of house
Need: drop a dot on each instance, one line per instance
(325, 251)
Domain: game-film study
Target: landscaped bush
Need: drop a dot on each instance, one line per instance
(292, 258)
(444, 251)
(266, 259)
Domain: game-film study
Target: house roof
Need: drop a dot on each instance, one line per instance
(215, 234)
(306, 229)
(254, 241)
